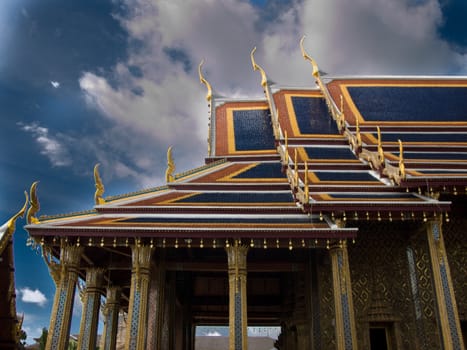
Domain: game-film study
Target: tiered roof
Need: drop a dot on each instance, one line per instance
(295, 168)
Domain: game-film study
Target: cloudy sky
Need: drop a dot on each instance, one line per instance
(115, 82)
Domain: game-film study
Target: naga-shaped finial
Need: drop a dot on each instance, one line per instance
(264, 79)
(341, 114)
(380, 147)
(359, 136)
(315, 71)
(401, 160)
(7, 230)
(295, 168)
(286, 158)
(169, 173)
(98, 199)
(34, 205)
(202, 80)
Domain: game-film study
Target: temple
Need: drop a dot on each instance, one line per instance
(10, 323)
(336, 212)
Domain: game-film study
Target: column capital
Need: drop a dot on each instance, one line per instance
(70, 255)
(141, 255)
(236, 256)
(337, 246)
(113, 295)
(94, 277)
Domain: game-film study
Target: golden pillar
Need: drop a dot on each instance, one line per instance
(91, 303)
(156, 306)
(445, 299)
(65, 280)
(138, 307)
(343, 306)
(110, 312)
(238, 336)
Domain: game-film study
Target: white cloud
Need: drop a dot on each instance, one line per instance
(33, 296)
(51, 146)
(55, 84)
(213, 334)
(377, 37)
(164, 103)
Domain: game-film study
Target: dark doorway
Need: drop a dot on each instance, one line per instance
(464, 331)
(378, 338)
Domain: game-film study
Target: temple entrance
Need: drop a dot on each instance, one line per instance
(378, 338)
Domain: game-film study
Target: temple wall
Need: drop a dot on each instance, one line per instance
(392, 285)
(326, 303)
(455, 232)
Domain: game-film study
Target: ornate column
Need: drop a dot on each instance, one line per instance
(91, 298)
(139, 291)
(236, 255)
(65, 276)
(343, 306)
(110, 312)
(448, 316)
(156, 306)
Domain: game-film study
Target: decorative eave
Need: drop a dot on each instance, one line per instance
(48, 232)
(279, 210)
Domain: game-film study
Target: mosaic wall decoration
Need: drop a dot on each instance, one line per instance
(326, 303)
(456, 249)
(380, 273)
(89, 310)
(134, 322)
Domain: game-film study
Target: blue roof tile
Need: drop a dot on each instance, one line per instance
(253, 130)
(410, 104)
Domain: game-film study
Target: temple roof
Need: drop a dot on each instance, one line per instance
(302, 163)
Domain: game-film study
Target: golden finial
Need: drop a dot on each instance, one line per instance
(341, 114)
(357, 131)
(307, 191)
(307, 57)
(202, 80)
(34, 205)
(380, 147)
(169, 177)
(401, 160)
(286, 158)
(295, 168)
(98, 199)
(11, 222)
(264, 79)
(7, 230)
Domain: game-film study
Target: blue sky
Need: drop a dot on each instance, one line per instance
(114, 82)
